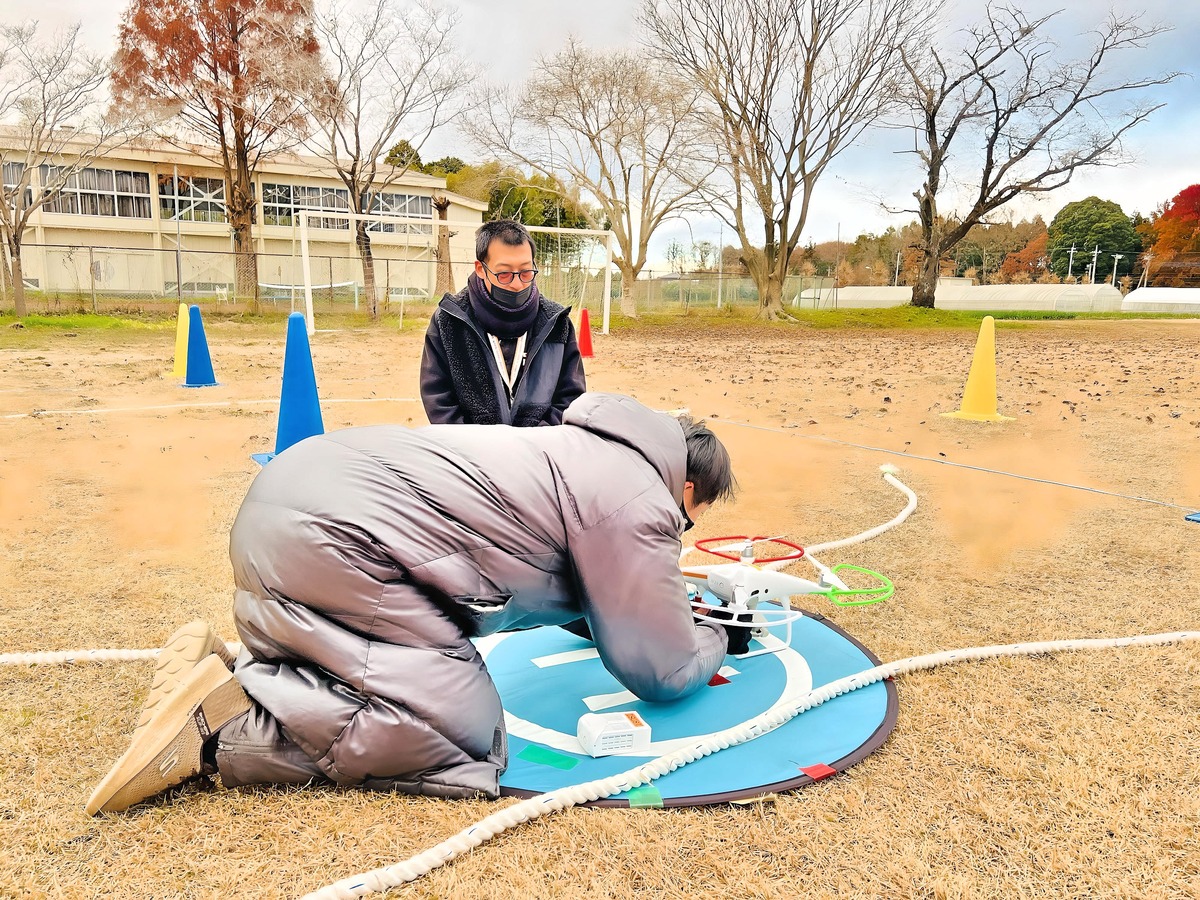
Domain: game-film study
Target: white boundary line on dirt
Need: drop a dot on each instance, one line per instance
(213, 405)
(947, 462)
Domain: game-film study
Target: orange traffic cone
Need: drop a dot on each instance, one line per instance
(585, 334)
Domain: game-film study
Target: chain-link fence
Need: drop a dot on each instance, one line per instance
(665, 292)
(103, 279)
(59, 278)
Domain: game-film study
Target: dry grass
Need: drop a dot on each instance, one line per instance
(1069, 776)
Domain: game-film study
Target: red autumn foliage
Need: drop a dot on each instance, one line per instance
(232, 72)
(1177, 229)
(1029, 261)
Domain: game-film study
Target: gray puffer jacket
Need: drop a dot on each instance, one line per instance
(365, 558)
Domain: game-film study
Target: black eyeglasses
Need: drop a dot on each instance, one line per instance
(526, 275)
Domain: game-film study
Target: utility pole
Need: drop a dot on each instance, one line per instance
(896, 280)
(1117, 257)
(720, 261)
(178, 235)
(837, 264)
(1071, 261)
(1095, 260)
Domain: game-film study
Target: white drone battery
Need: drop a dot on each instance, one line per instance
(605, 734)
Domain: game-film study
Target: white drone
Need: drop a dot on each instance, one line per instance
(758, 598)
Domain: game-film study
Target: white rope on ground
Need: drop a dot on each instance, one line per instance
(889, 475)
(69, 657)
(83, 411)
(383, 879)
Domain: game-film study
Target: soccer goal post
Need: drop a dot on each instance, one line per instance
(575, 264)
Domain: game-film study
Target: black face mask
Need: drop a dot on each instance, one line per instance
(511, 299)
(688, 523)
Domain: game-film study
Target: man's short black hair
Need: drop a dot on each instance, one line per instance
(708, 466)
(509, 231)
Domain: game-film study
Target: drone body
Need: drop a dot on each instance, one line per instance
(743, 586)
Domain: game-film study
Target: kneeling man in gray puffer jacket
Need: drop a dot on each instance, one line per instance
(366, 559)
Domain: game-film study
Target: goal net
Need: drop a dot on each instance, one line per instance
(574, 265)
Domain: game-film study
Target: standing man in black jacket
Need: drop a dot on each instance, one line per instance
(498, 352)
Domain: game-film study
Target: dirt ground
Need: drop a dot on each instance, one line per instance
(1075, 775)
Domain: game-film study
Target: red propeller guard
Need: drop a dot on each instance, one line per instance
(702, 545)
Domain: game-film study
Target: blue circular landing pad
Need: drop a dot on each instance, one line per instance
(548, 678)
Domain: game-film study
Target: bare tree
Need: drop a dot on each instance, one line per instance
(789, 85)
(615, 128)
(677, 257)
(50, 102)
(394, 76)
(230, 72)
(1004, 116)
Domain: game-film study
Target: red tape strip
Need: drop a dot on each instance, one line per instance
(817, 772)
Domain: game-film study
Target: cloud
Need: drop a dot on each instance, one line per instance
(505, 40)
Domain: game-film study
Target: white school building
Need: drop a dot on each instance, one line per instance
(147, 220)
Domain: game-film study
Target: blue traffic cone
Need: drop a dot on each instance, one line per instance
(299, 407)
(199, 363)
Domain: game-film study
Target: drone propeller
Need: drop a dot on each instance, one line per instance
(743, 545)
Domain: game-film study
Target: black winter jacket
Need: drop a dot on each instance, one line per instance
(461, 384)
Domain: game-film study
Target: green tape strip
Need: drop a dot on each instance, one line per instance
(645, 797)
(543, 756)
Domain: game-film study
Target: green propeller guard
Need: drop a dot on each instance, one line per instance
(866, 596)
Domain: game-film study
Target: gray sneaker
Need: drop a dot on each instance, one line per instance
(166, 751)
(179, 655)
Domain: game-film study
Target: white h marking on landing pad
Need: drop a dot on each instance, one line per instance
(570, 656)
(798, 680)
(598, 702)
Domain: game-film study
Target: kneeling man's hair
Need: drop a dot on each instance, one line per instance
(708, 466)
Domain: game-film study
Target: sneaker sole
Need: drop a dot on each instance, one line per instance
(168, 751)
(182, 652)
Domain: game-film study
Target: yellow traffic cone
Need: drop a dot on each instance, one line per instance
(181, 343)
(979, 396)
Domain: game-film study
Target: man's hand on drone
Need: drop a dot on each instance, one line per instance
(739, 635)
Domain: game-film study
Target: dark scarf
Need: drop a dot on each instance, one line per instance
(496, 318)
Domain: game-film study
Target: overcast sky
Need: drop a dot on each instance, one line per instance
(1163, 151)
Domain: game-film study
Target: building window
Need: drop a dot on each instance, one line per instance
(12, 174)
(191, 199)
(408, 205)
(281, 201)
(99, 192)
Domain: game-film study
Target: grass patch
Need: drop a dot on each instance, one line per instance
(894, 317)
(143, 320)
(84, 322)
(416, 316)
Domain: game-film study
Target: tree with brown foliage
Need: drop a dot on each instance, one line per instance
(231, 73)
(1175, 232)
(1028, 264)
